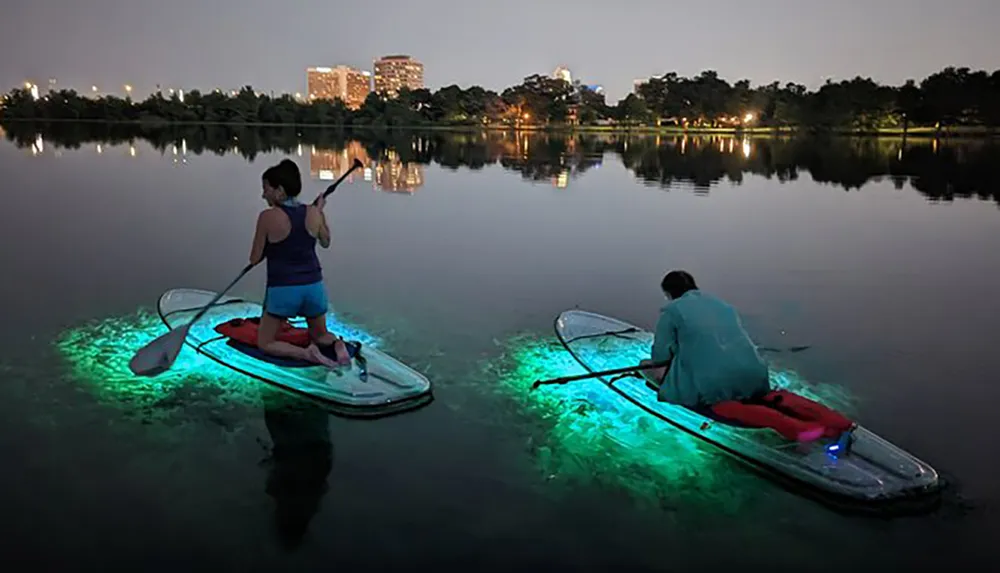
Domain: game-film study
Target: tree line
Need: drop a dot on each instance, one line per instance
(953, 97)
(940, 170)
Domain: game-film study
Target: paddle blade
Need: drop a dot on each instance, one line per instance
(158, 356)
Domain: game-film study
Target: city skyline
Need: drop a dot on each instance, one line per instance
(352, 85)
(112, 42)
(339, 82)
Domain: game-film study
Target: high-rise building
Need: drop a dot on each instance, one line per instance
(342, 82)
(562, 73)
(321, 83)
(393, 73)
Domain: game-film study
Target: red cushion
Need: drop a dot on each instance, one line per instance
(245, 330)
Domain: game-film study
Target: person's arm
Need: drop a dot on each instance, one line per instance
(665, 337)
(259, 239)
(317, 226)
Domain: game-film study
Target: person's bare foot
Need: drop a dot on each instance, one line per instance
(811, 435)
(317, 356)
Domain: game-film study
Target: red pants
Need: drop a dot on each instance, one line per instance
(791, 415)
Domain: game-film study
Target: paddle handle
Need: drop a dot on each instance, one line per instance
(625, 370)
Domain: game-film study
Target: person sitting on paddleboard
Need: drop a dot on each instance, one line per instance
(286, 234)
(714, 365)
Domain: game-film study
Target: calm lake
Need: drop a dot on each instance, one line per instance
(455, 252)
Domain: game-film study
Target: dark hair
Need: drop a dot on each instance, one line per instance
(676, 283)
(285, 175)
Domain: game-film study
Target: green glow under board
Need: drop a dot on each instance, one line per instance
(581, 433)
(98, 354)
(594, 436)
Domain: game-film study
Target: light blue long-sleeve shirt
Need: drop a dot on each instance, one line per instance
(714, 359)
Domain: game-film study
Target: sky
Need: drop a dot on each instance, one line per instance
(206, 44)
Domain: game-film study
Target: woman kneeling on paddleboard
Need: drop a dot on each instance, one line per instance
(715, 366)
(286, 234)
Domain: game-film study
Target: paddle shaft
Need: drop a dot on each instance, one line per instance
(626, 370)
(333, 187)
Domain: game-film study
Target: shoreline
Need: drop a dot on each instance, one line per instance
(914, 132)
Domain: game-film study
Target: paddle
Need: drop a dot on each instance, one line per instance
(159, 355)
(626, 370)
(789, 349)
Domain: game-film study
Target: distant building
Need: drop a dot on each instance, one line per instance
(342, 82)
(562, 73)
(573, 114)
(393, 73)
(322, 83)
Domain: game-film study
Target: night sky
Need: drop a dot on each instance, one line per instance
(268, 44)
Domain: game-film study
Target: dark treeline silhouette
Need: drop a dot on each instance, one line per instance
(949, 99)
(939, 169)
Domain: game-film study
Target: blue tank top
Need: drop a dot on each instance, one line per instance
(293, 260)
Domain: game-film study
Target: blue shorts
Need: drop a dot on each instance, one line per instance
(308, 300)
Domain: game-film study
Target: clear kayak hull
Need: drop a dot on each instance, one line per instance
(864, 468)
(383, 386)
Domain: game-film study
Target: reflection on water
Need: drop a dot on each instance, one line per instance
(387, 172)
(853, 282)
(395, 176)
(394, 161)
(329, 164)
(301, 459)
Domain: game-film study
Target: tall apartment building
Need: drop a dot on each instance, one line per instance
(342, 82)
(395, 72)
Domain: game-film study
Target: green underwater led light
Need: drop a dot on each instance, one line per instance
(98, 354)
(587, 435)
(594, 436)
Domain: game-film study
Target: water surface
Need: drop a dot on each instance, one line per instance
(455, 252)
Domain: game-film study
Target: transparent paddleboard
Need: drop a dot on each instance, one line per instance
(871, 469)
(384, 385)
